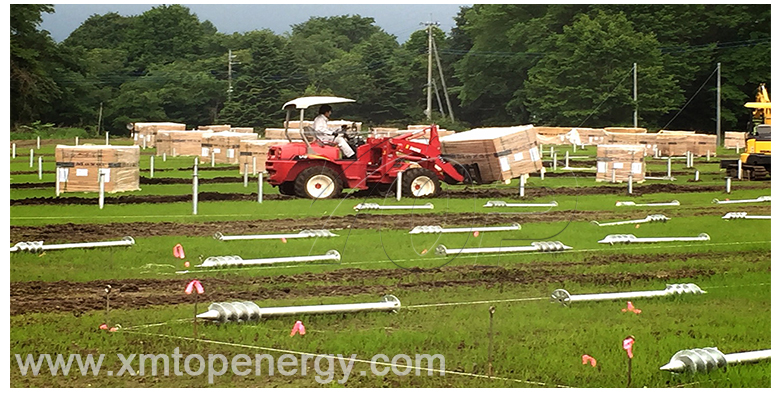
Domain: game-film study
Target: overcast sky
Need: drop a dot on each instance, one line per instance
(400, 20)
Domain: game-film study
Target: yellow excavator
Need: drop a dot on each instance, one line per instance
(757, 158)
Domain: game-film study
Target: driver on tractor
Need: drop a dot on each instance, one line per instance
(327, 136)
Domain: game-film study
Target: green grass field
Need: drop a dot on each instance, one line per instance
(57, 298)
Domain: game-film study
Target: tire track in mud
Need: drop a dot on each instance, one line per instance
(79, 297)
(466, 192)
(91, 232)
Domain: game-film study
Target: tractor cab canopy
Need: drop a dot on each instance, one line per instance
(302, 103)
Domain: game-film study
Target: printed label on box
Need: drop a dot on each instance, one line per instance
(216, 150)
(518, 156)
(204, 151)
(534, 154)
(636, 168)
(82, 172)
(62, 174)
(230, 153)
(601, 167)
(617, 165)
(504, 163)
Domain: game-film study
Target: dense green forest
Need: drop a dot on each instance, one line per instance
(503, 64)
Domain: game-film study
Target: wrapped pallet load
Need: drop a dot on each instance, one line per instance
(586, 136)
(243, 130)
(621, 161)
(629, 138)
(225, 146)
(180, 143)
(675, 143)
(253, 153)
(502, 153)
(215, 128)
(552, 135)
(703, 145)
(79, 168)
(735, 139)
(145, 133)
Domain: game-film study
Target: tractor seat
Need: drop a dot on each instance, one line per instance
(311, 136)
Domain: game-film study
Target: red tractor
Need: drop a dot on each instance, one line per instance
(310, 169)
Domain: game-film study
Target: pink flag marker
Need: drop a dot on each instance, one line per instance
(284, 240)
(103, 326)
(178, 251)
(586, 358)
(298, 328)
(628, 344)
(630, 308)
(476, 233)
(194, 284)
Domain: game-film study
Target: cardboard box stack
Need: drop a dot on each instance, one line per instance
(502, 153)
(674, 143)
(215, 128)
(254, 153)
(225, 146)
(147, 132)
(78, 167)
(552, 135)
(735, 139)
(703, 143)
(180, 143)
(624, 160)
(627, 138)
(243, 130)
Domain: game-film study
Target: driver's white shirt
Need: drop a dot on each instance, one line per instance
(320, 125)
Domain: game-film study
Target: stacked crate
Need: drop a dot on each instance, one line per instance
(253, 153)
(145, 133)
(638, 138)
(735, 139)
(243, 130)
(501, 153)
(180, 143)
(704, 145)
(623, 160)
(552, 135)
(214, 128)
(674, 143)
(79, 167)
(225, 146)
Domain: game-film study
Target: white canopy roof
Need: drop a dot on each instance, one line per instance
(306, 102)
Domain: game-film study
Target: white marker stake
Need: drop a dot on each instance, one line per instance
(555, 161)
(144, 146)
(728, 185)
(212, 158)
(40, 167)
(398, 186)
(57, 181)
(38, 143)
(522, 186)
(151, 167)
(32, 157)
(13, 151)
(541, 173)
(739, 169)
(708, 155)
(195, 188)
(696, 176)
(630, 184)
(567, 159)
(669, 167)
(260, 187)
(613, 175)
(164, 157)
(77, 141)
(107, 143)
(102, 189)
(246, 174)
(254, 164)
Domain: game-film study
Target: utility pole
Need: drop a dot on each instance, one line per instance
(230, 73)
(636, 107)
(443, 84)
(717, 119)
(430, 24)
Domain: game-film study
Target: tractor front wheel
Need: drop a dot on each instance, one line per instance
(419, 182)
(318, 182)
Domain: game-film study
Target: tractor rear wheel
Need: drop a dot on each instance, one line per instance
(419, 182)
(318, 182)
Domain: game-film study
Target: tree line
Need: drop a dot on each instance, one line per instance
(503, 64)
